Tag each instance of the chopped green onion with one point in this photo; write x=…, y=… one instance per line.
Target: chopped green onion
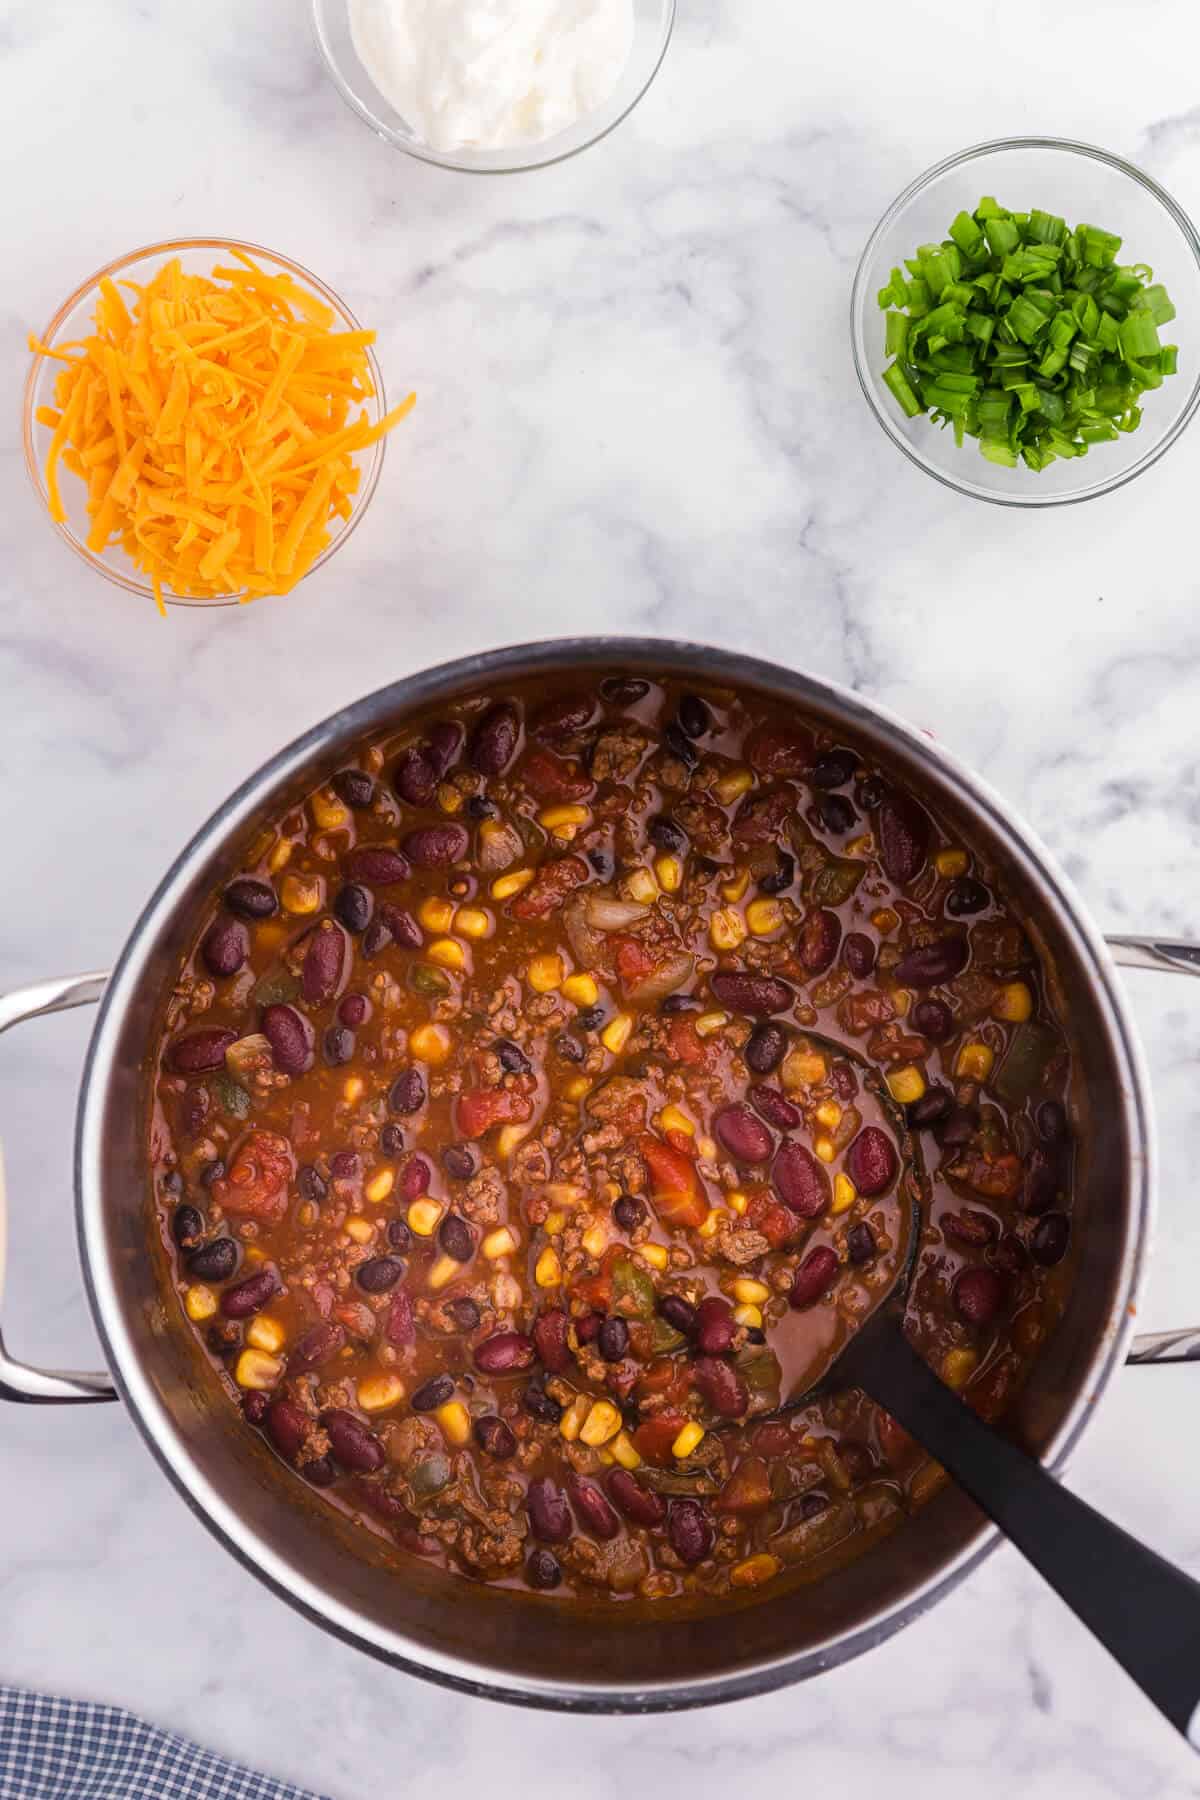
x=1025, y=335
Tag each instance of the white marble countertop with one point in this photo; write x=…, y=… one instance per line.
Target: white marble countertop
x=637, y=412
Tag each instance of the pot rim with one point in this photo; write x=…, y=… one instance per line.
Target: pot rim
x=558, y=656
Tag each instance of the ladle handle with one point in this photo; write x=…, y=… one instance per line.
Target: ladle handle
x=1145, y=1612
x=1174, y=956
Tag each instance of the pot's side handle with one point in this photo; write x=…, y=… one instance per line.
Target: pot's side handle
x=18, y=1381
x=1172, y=955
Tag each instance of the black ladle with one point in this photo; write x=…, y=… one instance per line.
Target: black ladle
x=1144, y=1611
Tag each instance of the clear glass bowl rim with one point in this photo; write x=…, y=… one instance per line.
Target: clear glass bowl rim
x=169, y=247
x=859, y=299
x=456, y=159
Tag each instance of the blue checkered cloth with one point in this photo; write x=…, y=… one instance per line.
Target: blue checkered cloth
x=76, y=1750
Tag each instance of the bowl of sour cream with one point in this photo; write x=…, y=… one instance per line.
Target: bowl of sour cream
x=493, y=86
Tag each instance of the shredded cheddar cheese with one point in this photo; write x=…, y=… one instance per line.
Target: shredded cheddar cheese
x=215, y=420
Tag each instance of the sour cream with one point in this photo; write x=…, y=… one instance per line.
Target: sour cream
x=492, y=74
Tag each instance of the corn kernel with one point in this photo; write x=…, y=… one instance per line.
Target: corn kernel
x=506, y=1292
x=505, y=886
x=844, y=1194
x=361, y=1230
x=687, y=1438
x=671, y=1118
x=734, y=889
x=430, y=1044
x=906, y=1084
x=266, y=1333
x=353, y=1089
x=709, y=1227
x=555, y=1223
x=1014, y=1003
x=328, y=811
x=377, y=1393
x=281, y=855
x=545, y=973
x=764, y=916
x=950, y=863
x=455, y=1422
x=749, y=1316
x=199, y=1303
x=443, y=1272
x=498, y=1243
x=825, y=1149
x=732, y=785
x=706, y=1149
x=564, y=820
x=606, y=1458
x=473, y=922
x=738, y=1202
x=379, y=1186
x=726, y=929
x=548, y=1270
x=576, y=1089
x=625, y=1452
x=568, y=1193
x=447, y=953
x=958, y=1366
x=449, y=798
x=655, y=1254
x=602, y=1423
x=508, y=1137
x=669, y=872
x=752, y=1292
x=301, y=893
x=595, y=1238
x=710, y=1022
x=974, y=1062
x=804, y=1068
x=861, y=846
x=616, y=1033
x=571, y=1423
x=885, y=920
x=755, y=1570
x=255, y=1369
x=581, y=990
x=901, y=999
x=436, y=913
x=641, y=886
x=424, y=1216
x=828, y=1114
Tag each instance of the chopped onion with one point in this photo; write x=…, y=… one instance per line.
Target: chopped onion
x=665, y=979
x=613, y=915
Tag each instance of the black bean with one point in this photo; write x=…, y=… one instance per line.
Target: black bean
x=399, y=1236
x=776, y=880
x=765, y=1048
x=223, y=1337
x=680, y=745
x=933, y=1106
x=311, y=1184
x=541, y=1405
x=172, y=1182
x=355, y=787
x=494, y=1436
x=512, y=1058
x=933, y=1019
x=433, y=1393
x=602, y=863
x=958, y=1127
x=251, y=898
x=187, y=1227
x=215, y=1261
x=407, y=1093
x=320, y=1473
x=338, y=1046
x=1052, y=1121
x=480, y=807
x=613, y=1341
x=860, y=1243
x=872, y=793
x=464, y=1312
x=542, y=1570
x=694, y=715
x=456, y=1238
x=665, y=834
x=966, y=895
x=1050, y=1237
x=569, y=1048
x=379, y=1274
x=834, y=769
x=678, y=1003
x=813, y=1505
x=837, y=814
x=623, y=690
x=590, y=1019
x=254, y=1405
x=678, y=1312
x=629, y=1212
x=459, y=1161
x=213, y=1171
x=344, y=1165
x=391, y=1140
x=353, y=905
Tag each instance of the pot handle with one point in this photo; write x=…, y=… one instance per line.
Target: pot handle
x=19, y=1381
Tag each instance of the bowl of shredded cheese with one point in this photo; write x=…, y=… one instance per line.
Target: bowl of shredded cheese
x=205, y=422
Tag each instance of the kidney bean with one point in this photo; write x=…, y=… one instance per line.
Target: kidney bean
x=1051, y=1234
x=494, y=1437
x=436, y=846
x=213, y=1171
x=638, y=1503
x=629, y=1212
x=860, y=1242
x=444, y=744
x=775, y=1107
x=755, y=995
x=433, y=1393
x=377, y=866
x=225, y=947
x=172, y=1182
x=836, y=814
x=249, y=1296
x=379, y=1274
x=400, y=1327
x=765, y=1048
x=744, y=1136
x=291, y=1038
x=214, y=1261
x=965, y=896
x=353, y=906
x=858, y=954
x=542, y=1570
x=871, y=1161
x=933, y=1019
x=504, y=1353
x=343, y=1165
x=958, y=1127
x=287, y=1427
x=690, y=1531
x=1010, y=1256
x=187, y=1227
x=200, y=1051
x=194, y=1109
x=401, y=928
x=564, y=718
x=678, y=1312
x=834, y=769
x=311, y=1184
x=464, y=1313
x=970, y=1227
x=459, y=1161
x=338, y=1045
x=714, y=1325
x=613, y=1341
x=414, y=776
x=324, y=961
x=399, y=1235
x=354, y=1010
x=933, y=1106
x=407, y=1094
x=353, y=1444
x=550, y=1340
x=354, y=787
x=456, y=1238
x=539, y=1404
x=929, y=965
x=316, y=1346
x=815, y=1276
x=591, y=1508
x=665, y=834
x=494, y=740
x=904, y=832
x=549, y=1514
x=415, y=1178
x=800, y=1180
x=250, y=897
x=1043, y=1177
x=254, y=1405
x=978, y=1295
x=820, y=935
x=720, y=1384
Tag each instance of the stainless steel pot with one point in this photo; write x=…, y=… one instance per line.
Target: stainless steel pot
x=493, y=1642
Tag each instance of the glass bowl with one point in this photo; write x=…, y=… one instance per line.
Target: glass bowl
x=1084, y=185
x=653, y=24
x=73, y=320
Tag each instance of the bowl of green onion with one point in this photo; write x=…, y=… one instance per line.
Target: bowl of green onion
x=1026, y=322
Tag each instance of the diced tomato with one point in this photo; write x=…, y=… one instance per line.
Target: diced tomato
x=596, y=1291
x=481, y=1108
x=675, y=1185
x=748, y=1489
x=679, y=1140
x=666, y=1378
x=256, y=1186
x=550, y=777
x=653, y=1438
x=683, y=1044
x=634, y=960
x=550, y=887
x=778, y=750
x=897, y=1447
x=778, y=1224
